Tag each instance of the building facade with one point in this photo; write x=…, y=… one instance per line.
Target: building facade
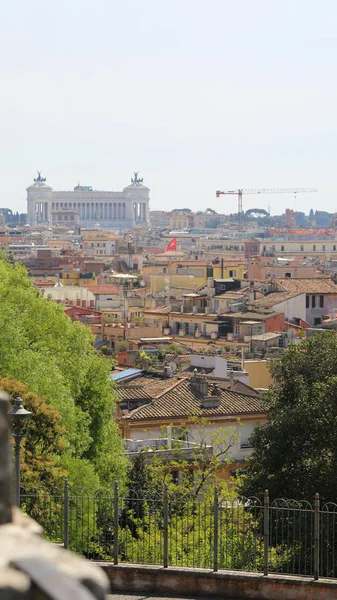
x=123, y=209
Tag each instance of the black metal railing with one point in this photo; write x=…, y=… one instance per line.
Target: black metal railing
x=180, y=529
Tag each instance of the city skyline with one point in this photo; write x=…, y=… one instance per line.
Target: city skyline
x=196, y=99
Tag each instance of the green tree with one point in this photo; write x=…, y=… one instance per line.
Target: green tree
x=173, y=349
x=295, y=453
x=199, y=453
x=44, y=443
x=190, y=505
x=42, y=347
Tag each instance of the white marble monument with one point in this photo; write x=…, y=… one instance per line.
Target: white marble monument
x=108, y=209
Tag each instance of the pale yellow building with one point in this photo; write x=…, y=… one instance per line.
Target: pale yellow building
x=185, y=275
x=99, y=243
x=259, y=373
x=181, y=219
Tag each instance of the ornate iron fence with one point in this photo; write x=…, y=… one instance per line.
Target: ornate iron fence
x=179, y=529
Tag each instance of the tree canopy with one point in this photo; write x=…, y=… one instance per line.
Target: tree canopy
x=42, y=347
x=44, y=443
x=295, y=453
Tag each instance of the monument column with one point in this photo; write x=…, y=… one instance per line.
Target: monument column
x=129, y=216
x=31, y=213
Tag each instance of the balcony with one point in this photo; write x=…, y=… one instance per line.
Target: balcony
x=193, y=308
x=167, y=450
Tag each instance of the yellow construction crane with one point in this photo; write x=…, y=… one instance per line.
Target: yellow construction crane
x=239, y=193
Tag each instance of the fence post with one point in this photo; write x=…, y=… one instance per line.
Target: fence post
x=216, y=530
x=266, y=530
x=116, y=503
x=316, y=537
x=165, y=527
x=66, y=514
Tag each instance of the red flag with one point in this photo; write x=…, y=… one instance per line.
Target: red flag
x=172, y=245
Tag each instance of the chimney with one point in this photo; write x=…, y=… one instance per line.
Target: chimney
x=199, y=383
x=212, y=401
x=231, y=380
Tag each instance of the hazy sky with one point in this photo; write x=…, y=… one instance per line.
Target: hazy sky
x=196, y=95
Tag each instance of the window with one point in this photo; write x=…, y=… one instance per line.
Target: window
x=313, y=301
x=334, y=248
x=232, y=273
x=264, y=248
x=282, y=248
x=323, y=248
x=314, y=247
x=246, y=443
x=321, y=301
x=302, y=248
x=317, y=321
x=307, y=301
x=287, y=274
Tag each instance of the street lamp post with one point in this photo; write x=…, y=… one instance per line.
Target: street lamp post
x=19, y=417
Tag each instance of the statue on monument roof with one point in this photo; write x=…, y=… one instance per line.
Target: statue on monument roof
x=39, y=178
x=135, y=179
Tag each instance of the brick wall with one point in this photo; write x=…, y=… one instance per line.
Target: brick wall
x=225, y=584
x=275, y=323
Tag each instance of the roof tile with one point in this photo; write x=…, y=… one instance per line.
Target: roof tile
x=319, y=285
x=182, y=400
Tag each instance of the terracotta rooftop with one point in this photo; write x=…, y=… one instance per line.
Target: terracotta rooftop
x=181, y=400
x=144, y=386
x=317, y=285
x=274, y=298
x=249, y=315
x=159, y=309
x=199, y=263
x=41, y=283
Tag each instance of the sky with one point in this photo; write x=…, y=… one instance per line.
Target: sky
x=195, y=95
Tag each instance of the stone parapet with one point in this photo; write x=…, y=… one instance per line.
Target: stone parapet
x=222, y=584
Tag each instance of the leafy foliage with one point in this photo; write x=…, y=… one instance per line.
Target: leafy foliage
x=42, y=347
x=199, y=453
x=295, y=453
x=44, y=443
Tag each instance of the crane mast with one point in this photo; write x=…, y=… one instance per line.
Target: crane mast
x=239, y=193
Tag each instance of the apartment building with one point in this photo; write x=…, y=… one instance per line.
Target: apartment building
x=98, y=243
